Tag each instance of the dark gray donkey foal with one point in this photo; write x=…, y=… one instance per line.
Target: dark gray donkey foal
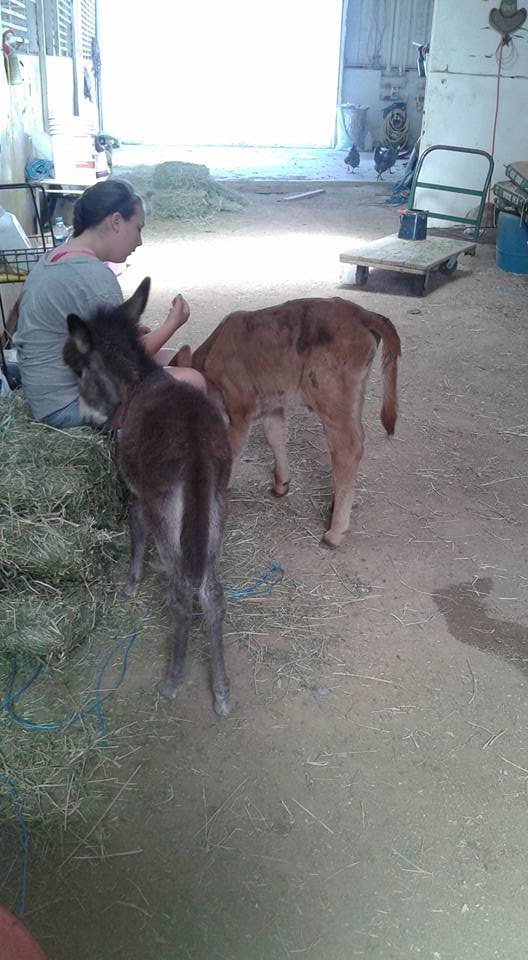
x=175, y=459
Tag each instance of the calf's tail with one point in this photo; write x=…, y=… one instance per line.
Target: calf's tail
x=382, y=327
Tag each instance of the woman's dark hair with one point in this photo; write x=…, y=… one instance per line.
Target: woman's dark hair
x=101, y=200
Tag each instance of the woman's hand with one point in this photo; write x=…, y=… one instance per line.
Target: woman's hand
x=179, y=312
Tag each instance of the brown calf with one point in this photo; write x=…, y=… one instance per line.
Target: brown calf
x=316, y=350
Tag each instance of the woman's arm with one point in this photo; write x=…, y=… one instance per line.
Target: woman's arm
x=177, y=316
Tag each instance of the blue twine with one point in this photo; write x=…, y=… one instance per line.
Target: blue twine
x=11, y=697
x=260, y=587
x=39, y=170
x=21, y=905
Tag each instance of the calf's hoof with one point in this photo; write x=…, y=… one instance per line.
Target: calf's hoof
x=280, y=489
x=168, y=689
x=331, y=540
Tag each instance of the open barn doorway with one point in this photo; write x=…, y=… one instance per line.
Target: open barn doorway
x=236, y=72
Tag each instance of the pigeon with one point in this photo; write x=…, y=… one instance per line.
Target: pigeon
x=352, y=158
x=384, y=159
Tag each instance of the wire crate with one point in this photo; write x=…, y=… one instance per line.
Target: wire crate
x=16, y=264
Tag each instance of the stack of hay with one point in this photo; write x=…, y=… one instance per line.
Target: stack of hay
x=181, y=191
x=61, y=511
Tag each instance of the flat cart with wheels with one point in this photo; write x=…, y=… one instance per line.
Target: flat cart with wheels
x=417, y=257
x=421, y=257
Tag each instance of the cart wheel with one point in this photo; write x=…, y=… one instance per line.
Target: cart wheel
x=449, y=266
x=361, y=276
x=421, y=283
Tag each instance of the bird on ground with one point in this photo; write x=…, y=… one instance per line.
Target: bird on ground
x=384, y=159
x=352, y=158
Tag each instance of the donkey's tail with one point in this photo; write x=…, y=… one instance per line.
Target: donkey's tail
x=195, y=528
x=383, y=328
x=202, y=523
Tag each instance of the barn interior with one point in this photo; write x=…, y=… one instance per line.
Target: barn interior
x=367, y=795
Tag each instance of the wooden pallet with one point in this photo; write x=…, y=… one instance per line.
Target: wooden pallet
x=417, y=257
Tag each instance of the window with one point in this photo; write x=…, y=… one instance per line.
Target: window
x=87, y=27
x=58, y=26
x=21, y=16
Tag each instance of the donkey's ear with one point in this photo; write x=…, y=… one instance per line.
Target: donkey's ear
x=135, y=305
x=80, y=333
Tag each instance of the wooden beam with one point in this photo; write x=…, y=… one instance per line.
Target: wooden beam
x=41, y=37
x=77, y=57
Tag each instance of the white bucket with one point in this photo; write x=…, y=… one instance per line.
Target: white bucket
x=71, y=126
x=73, y=150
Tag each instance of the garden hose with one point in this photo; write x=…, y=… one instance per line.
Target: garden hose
x=396, y=127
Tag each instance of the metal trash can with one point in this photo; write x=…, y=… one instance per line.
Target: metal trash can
x=353, y=124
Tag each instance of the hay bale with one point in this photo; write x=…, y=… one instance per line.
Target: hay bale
x=61, y=518
x=70, y=474
x=53, y=550
x=42, y=622
x=174, y=175
x=182, y=204
x=181, y=191
x=140, y=179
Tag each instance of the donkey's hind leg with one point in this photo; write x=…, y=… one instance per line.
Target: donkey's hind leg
x=179, y=598
x=136, y=525
x=213, y=606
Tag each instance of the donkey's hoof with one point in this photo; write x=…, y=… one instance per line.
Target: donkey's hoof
x=331, y=540
x=167, y=689
x=222, y=706
x=280, y=489
x=128, y=591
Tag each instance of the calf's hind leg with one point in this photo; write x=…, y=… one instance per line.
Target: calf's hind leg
x=275, y=431
x=345, y=444
x=237, y=435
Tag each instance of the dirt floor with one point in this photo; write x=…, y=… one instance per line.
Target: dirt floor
x=368, y=796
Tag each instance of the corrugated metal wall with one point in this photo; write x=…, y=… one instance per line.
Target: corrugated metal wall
x=379, y=33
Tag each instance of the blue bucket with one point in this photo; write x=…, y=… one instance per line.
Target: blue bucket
x=512, y=244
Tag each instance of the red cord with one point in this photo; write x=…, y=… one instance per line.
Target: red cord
x=502, y=44
x=501, y=48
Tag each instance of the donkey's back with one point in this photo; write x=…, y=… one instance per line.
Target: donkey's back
x=176, y=459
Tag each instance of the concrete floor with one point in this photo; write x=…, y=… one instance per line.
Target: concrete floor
x=259, y=163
